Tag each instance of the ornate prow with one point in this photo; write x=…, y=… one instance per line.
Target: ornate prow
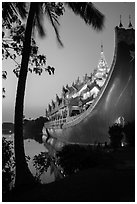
x=115, y=99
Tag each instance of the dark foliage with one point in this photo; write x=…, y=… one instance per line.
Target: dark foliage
x=11, y=12
x=129, y=130
x=41, y=163
x=12, y=46
x=7, y=165
x=4, y=76
x=3, y=92
x=73, y=158
x=116, y=135
x=33, y=129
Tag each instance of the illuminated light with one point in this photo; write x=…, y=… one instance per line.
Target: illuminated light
x=120, y=121
x=132, y=55
x=51, y=141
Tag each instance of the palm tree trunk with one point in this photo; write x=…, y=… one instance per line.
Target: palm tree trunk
x=23, y=174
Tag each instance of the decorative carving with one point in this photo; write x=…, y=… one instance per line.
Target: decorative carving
x=57, y=98
x=53, y=104
x=78, y=82
x=126, y=35
x=49, y=108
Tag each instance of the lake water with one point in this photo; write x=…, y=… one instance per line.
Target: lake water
x=33, y=148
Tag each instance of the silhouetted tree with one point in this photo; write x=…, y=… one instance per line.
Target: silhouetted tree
x=34, y=17
x=23, y=174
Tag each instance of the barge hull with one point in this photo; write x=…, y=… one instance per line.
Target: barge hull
x=116, y=99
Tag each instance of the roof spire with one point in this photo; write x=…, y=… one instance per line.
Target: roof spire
x=102, y=64
x=130, y=24
x=120, y=25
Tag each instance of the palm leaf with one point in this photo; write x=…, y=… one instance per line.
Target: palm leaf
x=50, y=11
x=54, y=21
x=38, y=21
x=11, y=11
x=88, y=12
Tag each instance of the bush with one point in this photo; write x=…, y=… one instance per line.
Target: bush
x=41, y=162
x=116, y=135
x=129, y=130
x=73, y=158
x=8, y=165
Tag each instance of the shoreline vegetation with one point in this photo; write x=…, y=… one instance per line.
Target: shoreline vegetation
x=88, y=173
x=105, y=175
x=32, y=128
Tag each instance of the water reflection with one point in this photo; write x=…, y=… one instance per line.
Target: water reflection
x=33, y=148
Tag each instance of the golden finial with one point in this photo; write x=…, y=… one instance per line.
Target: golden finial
x=130, y=24
x=120, y=25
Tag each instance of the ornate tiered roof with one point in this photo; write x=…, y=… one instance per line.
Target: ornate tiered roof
x=71, y=94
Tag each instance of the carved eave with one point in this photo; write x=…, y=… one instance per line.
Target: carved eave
x=64, y=90
x=53, y=104
x=74, y=87
x=49, y=108
x=70, y=89
x=67, y=88
x=85, y=78
x=57, y=98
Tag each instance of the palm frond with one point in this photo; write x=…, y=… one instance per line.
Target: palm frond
x=39, y=19
x=54, y=21
x=21, y=9
x=11, y=11
x=88, y=12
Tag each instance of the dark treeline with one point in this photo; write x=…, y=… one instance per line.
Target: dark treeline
x=33, y=128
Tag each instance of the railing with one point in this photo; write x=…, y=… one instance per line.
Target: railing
x=56, y=123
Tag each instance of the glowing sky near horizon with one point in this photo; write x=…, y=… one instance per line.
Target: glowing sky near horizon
x=80, y=55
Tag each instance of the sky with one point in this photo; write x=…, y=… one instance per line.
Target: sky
x=80, y=55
